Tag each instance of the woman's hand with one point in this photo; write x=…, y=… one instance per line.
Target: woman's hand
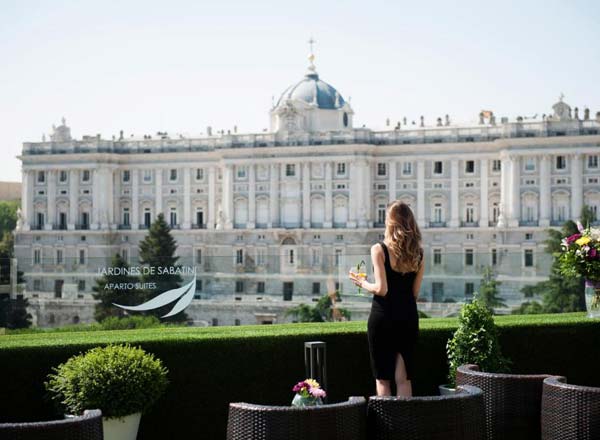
x=357, y=279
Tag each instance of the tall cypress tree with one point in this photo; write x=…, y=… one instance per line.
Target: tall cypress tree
x=110, y=289
x=488, y=290
x=157, y=251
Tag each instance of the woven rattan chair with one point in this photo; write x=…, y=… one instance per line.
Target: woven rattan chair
x=512, y=402
x=346, y=420
x=457, y=416
x=570, y=412
x=86, y=427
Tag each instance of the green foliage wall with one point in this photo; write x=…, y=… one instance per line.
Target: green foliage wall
x=214, y=366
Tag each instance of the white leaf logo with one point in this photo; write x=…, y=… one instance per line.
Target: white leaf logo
x=184, y=295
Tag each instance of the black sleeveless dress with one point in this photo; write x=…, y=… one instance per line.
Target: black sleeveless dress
x=393, y=324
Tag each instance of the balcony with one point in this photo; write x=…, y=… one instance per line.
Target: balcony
x=123, y=227
x=528, y=223
x=197, y=226
x=469, y=224
x=437, y=224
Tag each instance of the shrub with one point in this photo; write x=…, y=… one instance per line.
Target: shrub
x=475, y=341
x=117, y=379
x=129, y=323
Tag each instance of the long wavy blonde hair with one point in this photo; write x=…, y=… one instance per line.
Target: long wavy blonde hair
x=403, y=237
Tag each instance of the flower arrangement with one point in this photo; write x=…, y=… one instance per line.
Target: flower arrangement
x=580, y=256
x=308, y=393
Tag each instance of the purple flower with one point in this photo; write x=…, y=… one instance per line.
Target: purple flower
x=317, y=392
x=594, y=253
x=572, y=238
x=299, y=387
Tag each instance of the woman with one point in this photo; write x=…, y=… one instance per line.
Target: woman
x=393, y=323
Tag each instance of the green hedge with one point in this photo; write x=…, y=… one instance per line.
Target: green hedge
x=210, y=367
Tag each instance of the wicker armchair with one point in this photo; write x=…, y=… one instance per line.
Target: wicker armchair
x=570, y=412
x=458, y=416
x=512, y=402
x=86, y=427
x=337, y=421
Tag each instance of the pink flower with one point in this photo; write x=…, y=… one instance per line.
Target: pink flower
x=318, y=392
x=300, y=386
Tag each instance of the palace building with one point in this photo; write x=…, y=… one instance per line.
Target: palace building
x=277, y=218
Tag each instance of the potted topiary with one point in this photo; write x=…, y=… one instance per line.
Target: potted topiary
x=475, y=341
x=120, y=380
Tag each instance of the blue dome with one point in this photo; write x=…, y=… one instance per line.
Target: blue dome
x=310, y=87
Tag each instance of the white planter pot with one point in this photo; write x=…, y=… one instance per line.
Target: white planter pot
x=124, y=428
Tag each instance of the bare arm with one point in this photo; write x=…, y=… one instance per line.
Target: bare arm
x=379, y=287
x=419, y=279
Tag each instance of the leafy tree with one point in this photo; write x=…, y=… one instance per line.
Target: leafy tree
x=157, y=251
x=8, y=215
x=529, y=308
x=488, y=290
x=323, y=311
x=108, y=291
x=561, y=294
x=13, y=312
x=475, y=341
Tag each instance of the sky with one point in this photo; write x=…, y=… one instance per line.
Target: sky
x=182, y=65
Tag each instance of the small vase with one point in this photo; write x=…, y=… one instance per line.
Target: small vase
x=302, y=401
x=592, y=298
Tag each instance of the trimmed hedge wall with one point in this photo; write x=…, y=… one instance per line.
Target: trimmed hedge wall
x=210, y=367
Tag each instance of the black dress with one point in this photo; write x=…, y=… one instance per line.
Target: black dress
x=393, y=324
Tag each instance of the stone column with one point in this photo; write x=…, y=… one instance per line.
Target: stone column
x=73, y=199
x=454, y=196
x=274, y=196
x=227, y=196
x=576, y=186
x=211, y=198
x=187, y=199
x=27, y=199
x=328, y=195
x=105, y=212
x=545, y=194
x=251, y=224
x=116, y=204
x=51, y=199
x=355, y=192
x=158, y=174
x=392, y=181
x=515, y=194
x=135, y=199
x=96, y=189
x=365, y=211
x=484, y=207
x=505, y=191
x=306, y=195
x=421, y=202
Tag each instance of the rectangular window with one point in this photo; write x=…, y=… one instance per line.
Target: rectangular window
x=438, y=167
x=437, y=257
x=381, y=214
x=37, y=285
x=338, y=257
x=239, y=286
x=530, y=164
x=407, y=168
x=81, y=286
x=290, y=170
x=381, y=169
x=147, y=176
x=125, y=216
x=469, y=290
x=260, y=257
x=81, y=256
x=470, y=166
x=496, y=165
x=291, y=256
x=437, y=292
x=37, y=256
x=241, y=172
x=62, y=177
x=288, y=291
x=199, y=173
x=198, y=256
x=316, y=256
x=215, y=322
x=239, y=256
x=468, y=257
x=147, y=219
x=85, y=176
x=173, y=175
x=260, y=287
x=59, y=256
x=528, y=257
x=126, y=176
x=173, y=218
x=341, y=169
x=41, y=176
x=561, y=162
x=494, y=257
x=592, y=161
x=62, y=220
x=316, y=288
x=125, y=254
